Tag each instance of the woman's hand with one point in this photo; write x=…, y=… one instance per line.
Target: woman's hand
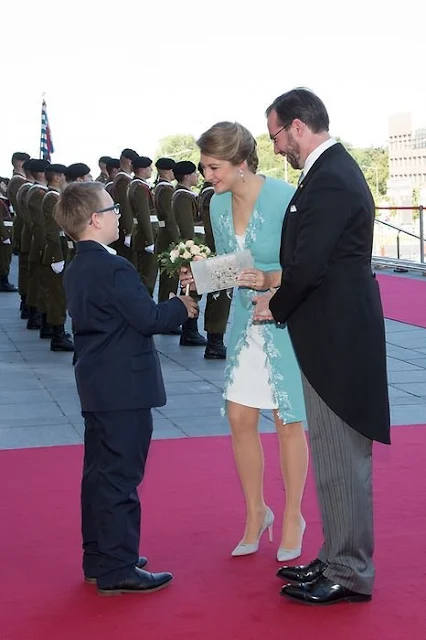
x=254, y=279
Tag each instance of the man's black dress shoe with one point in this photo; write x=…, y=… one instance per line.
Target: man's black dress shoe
x=142, y=582
x=321, y=592
x=303, y=573
x=140, y=565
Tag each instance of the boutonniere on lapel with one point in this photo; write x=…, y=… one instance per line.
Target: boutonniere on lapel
x=293, y=208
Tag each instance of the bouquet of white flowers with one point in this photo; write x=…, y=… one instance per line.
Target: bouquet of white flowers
x=181, y=255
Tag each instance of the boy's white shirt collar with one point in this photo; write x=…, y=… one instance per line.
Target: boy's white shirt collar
x=109, y=249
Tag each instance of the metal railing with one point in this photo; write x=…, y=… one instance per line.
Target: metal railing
x=401, y=264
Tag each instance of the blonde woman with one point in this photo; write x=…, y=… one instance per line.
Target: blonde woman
x=247, y=212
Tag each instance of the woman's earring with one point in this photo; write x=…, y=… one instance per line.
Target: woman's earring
x=240, y=171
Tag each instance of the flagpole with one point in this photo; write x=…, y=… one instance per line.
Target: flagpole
x=43, y=95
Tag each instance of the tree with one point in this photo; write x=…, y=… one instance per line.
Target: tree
x=271, y=164
x=374, y=163
x=179, y=147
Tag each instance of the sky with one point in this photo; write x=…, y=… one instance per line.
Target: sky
x=126, y=74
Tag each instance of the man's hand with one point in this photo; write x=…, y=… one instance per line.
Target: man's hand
x=190, y=304
x=261, y=311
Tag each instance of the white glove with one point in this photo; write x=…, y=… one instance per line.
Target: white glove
x=7, y=241
x=127, y=240
x=58, y=267
x=150, y=248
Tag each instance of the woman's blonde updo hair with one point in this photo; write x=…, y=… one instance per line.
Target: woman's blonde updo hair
x=230, y=141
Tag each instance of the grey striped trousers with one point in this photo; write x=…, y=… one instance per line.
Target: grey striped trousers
x=342, y=461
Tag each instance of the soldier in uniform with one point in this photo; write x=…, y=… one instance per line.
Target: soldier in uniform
x=25, y=245
x=120, y=189
x=6, y=223
x=54, y=261
x=185, y=211
x=112, y=167
x=37, y=293
x=144, y=223
x=77, y=172
x=168, y=232
x=103, y=176
x=218, y=304
x=17, y=180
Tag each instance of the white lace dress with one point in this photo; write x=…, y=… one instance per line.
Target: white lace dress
x=250, y=384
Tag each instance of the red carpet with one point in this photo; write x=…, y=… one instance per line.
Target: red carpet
x=404, y=299
x=193, y=518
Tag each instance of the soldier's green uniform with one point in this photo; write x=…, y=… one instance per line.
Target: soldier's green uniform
x=53, y=264
x=15, y=183
x=120, y=189
x=6, y=223
x=145, y=226
x=218, y=304
x=112, y=166
x=77, y=172
x=37, y=289
x=19, y=160
x=168, y=232
x=24, y=250
x=185, y=211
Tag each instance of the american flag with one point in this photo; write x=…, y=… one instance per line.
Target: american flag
x=46, y=144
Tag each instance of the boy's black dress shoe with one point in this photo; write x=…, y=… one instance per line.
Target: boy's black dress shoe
x=321, y=592
x=142, y=582
x=140, y=565
x=303, y=573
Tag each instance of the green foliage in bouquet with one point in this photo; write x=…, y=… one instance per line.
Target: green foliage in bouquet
x=181, y=255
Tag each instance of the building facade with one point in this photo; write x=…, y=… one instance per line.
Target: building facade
x=407, y=161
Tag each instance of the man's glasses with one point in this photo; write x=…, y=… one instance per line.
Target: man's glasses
x=114, y=207
x=274, y=137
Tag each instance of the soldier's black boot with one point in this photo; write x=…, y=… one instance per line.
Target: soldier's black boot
x=46, y=329
x=34, y=320
x=190, y=336
x=61, y=340
x=215, y=349
x=23, y=308
x=6, y=286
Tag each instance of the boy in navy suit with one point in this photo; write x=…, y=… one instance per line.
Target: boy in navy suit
x=119, y=380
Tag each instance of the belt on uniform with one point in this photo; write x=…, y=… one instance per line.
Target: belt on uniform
x=162, y=223
x=152, y=219
x=199, y=229
x=8, y=223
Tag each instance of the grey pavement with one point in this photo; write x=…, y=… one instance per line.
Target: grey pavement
x=39, y=405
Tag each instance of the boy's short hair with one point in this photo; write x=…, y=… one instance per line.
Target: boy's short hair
x=75, y=207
